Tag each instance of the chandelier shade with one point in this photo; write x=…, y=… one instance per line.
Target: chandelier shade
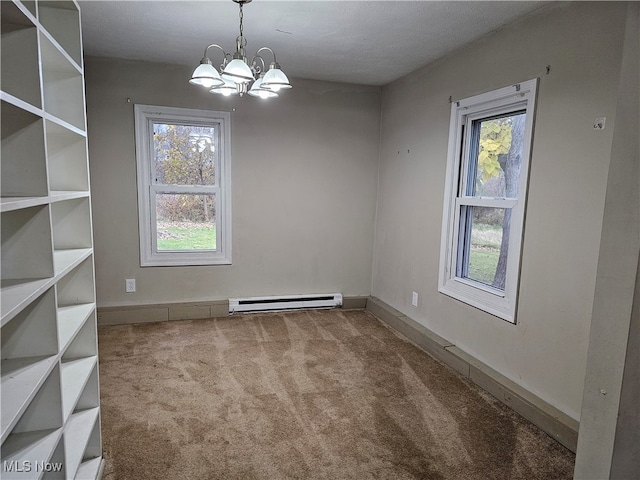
x=257, y=90
x=206, y=76
x=238, y=71
x=237, y=76
x=275, y=79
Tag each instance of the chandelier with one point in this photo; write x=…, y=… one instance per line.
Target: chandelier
x=237, y=76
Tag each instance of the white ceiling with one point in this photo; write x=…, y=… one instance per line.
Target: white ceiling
x=363, y=42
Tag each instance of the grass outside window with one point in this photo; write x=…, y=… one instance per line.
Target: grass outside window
x=485, y=251
x=186, y=236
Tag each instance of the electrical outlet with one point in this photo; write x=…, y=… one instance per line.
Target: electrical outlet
x=130, y=285
x=414, y=299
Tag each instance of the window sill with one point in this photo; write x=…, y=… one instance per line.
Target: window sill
x=182, y=261
x=481, y=298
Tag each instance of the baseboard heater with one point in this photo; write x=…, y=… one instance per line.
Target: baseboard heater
x=285, y=302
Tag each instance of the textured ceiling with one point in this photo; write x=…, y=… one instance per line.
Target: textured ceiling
x=360, y=42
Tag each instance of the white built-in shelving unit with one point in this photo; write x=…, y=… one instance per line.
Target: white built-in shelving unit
x=50, y=399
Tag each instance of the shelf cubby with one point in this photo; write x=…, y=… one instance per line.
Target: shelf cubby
x=67, y=159
x=88, y=401
x=75, y=374
x=38, y=448
x=71, y=319
x=66, y=260
x=62, y=20
x=79, y=371
x=83, y=345
x=27, y=259
x=77, y=286
x=20, y=75
x=17, y=294
x=24, y=168
x=29, y=353
x=94, y=444
x=78, y=432
x=90, y=397
x=33, y=331
x=21, y=382
x=71, y=223
x=31, y=397
x=62, y=85
x=26, y=244
x=58, y=471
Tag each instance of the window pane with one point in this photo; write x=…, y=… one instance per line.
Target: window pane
x=496, y=156
x=184, y=154
x=185, y=222
x=484, y=245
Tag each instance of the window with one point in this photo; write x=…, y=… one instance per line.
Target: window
x=184, y=189
x=486, y=183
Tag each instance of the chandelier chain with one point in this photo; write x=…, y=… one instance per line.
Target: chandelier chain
x=241, y=18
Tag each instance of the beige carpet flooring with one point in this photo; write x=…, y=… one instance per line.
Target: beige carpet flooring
x=304, y=395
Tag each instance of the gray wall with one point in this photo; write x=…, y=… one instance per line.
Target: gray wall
x=546, y=351
x=609, y=441
x=304, y=173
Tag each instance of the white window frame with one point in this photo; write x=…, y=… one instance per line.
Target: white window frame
x=145, y=117
x=503, y=304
